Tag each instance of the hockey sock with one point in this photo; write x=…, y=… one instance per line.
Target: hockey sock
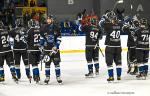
x=110, y=72
x=141, y=68
x=12, y=69
x=47, y=71
x=35, y=71
x=18, y=72
x=57, y=71
x=119, y=71
x=1, y=72
x=27, y=71
x=96, y=65
x=90, y=67
x=146, y=68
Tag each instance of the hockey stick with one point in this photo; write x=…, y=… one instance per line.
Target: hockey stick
x=41, y=58
x=99, y=49
x=118, y=2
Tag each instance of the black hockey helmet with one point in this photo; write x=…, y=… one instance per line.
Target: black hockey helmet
x=50, y=17
x=110, y=14
x=1, y=25
x=143, y=21
x=19, y=22
x=31, y=23
x=93, y=21
x=136, y=23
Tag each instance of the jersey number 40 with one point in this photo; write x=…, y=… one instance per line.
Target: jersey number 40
x=115, y=34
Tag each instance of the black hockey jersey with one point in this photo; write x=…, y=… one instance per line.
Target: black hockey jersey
x=113, y=34
x=142, y=38
x=52, y=35
x=93, y=34
x=4, y=41
x=131, y=35
x=33, y=39
x=19, y=38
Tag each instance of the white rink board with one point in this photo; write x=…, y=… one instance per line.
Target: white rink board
x=78, y=43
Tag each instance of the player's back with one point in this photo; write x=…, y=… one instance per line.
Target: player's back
x=33, y=39
x=4, y=40
x=113, y=34
x=92, y=35
x=142, y=36
x=18, y=38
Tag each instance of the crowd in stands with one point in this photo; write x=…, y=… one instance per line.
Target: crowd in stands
x=8, y=17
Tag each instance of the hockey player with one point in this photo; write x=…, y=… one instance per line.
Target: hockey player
x=51, y=39
x=6, y=53
x=93, y=35
x=113, y=48
x=130, y=28
x=20, y=48
x=142, y=48
x=33, y=42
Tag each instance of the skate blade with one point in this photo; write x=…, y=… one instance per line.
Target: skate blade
x=89, y=76
x=46, y=83
x=17, y=82
x=61, y=83
x=141, y=78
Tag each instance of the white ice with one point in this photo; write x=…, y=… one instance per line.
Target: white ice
x=75, y=84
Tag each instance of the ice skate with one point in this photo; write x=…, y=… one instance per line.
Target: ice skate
x=59, y=80
x=89, y=75
x=30, y=78
x=14, y=77
x=96, y=71
x=110, y=79
x=118, y=78
x=141, y=76
x=2, y=79
x=36, y=79
x=47, y=80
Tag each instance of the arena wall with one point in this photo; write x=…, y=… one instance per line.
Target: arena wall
x=73, y=44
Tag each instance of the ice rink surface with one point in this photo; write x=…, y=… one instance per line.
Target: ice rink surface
x=74, y=83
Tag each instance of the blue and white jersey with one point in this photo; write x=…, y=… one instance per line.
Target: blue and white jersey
x=50, y=36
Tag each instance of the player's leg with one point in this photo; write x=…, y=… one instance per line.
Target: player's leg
x=129, y=62
x=17, y=58
x=140, y=56
x=88, y=53
x=47, y=61
x=33, y=61
x=56, y=61
x=146, y=57
x=26, y=63
x=117, y=60
x=96, y=60
x=109, y=61
x=132, y=60
x=2, y=75
x=10, y=62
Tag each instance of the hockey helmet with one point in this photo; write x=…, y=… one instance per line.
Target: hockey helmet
x=136, y=23
x=1, y=25
x=31, y=23
x=143, y=21
x=93, y=21
x=19, y=22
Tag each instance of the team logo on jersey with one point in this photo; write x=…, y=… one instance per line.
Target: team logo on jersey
x=46, y=58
